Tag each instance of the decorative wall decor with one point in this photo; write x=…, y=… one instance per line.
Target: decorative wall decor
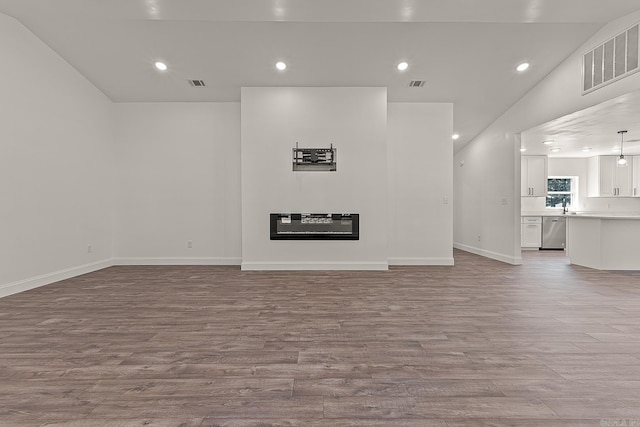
x=314, y=159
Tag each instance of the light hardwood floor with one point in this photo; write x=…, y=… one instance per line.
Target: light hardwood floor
x=478, y=344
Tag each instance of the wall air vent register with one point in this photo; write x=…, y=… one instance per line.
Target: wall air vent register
x=614, y=59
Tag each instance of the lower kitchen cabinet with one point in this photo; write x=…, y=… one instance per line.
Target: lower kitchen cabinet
x=531, y=232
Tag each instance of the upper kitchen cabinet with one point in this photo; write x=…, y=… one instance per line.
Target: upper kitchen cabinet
x=533, y=182
x=606, y=179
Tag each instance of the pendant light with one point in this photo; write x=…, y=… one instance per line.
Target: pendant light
x=621, y=160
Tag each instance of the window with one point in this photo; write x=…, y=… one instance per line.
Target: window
x=560, y=191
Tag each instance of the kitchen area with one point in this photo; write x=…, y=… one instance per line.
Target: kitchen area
x=542, y=226
x=580, y=186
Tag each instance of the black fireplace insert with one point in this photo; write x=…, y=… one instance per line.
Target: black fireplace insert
x=314, y=226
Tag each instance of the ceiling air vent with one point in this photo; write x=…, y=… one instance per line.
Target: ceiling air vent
x=417, y=83
x=197, y=83
x=614, y=59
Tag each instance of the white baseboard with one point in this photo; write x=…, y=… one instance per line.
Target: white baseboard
x=421, y=261
x=177, y=261
x=489, y=254
x=255, y=266
x=56, y=276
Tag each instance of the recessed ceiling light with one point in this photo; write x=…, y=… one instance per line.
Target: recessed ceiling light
x=161, y=66
x=281, y=66
x=455, y=136
x=403, y=66
x=548, y=141
x=522, y=67
x=586, y=149
x=522, y=150
x=555, y=149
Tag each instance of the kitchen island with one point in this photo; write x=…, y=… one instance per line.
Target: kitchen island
x=604, y=242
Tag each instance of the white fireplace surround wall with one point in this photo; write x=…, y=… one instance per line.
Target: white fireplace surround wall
x=354, y=120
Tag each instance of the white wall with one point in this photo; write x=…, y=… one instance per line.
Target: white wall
x=136, y=182
x=178, y=167
x=485, y=199
x=420, y=156
x=477, y=189
x=355, y=121
x=178, y=180
x=55, y=166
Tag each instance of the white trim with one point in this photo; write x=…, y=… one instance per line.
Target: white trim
x=489, y=254
x=421, y=261
x=310, y=265
x=177, y=261
x=56, y=276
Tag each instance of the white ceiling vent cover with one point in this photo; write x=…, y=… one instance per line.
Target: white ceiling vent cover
x=614, y=59
x=197, y=83
x=417, y=83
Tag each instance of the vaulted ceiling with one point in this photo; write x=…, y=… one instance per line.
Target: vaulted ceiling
x=465, y=50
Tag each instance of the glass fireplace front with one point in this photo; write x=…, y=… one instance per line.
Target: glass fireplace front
x=313, y=226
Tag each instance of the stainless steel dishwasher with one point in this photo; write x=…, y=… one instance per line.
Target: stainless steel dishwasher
x=554, y=232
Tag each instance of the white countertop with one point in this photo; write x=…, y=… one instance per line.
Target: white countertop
x=600, y=215
x=543, y=214
x=605, y=216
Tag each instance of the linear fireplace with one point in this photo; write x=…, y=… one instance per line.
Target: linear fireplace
x=314, y=226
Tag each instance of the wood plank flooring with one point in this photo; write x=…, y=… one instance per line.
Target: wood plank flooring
x=478, y=344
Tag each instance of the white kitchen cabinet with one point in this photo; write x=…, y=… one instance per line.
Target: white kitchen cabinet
x=606, y=179
x=531, y=232
x=533, y=182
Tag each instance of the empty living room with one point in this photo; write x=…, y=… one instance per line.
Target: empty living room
x=271, y=213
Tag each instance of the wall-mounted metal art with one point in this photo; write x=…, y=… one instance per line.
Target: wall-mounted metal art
x=314, y=159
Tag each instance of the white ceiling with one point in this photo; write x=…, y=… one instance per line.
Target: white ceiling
x=595, y=127
x=466, y=50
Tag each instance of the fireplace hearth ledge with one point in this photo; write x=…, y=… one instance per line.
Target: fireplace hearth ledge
x=310, y=265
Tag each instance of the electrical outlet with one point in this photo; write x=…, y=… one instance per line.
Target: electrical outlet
x=89, y=249
x=504, y=200
x=189, y=244
x=445, y=200
x=478, y=237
